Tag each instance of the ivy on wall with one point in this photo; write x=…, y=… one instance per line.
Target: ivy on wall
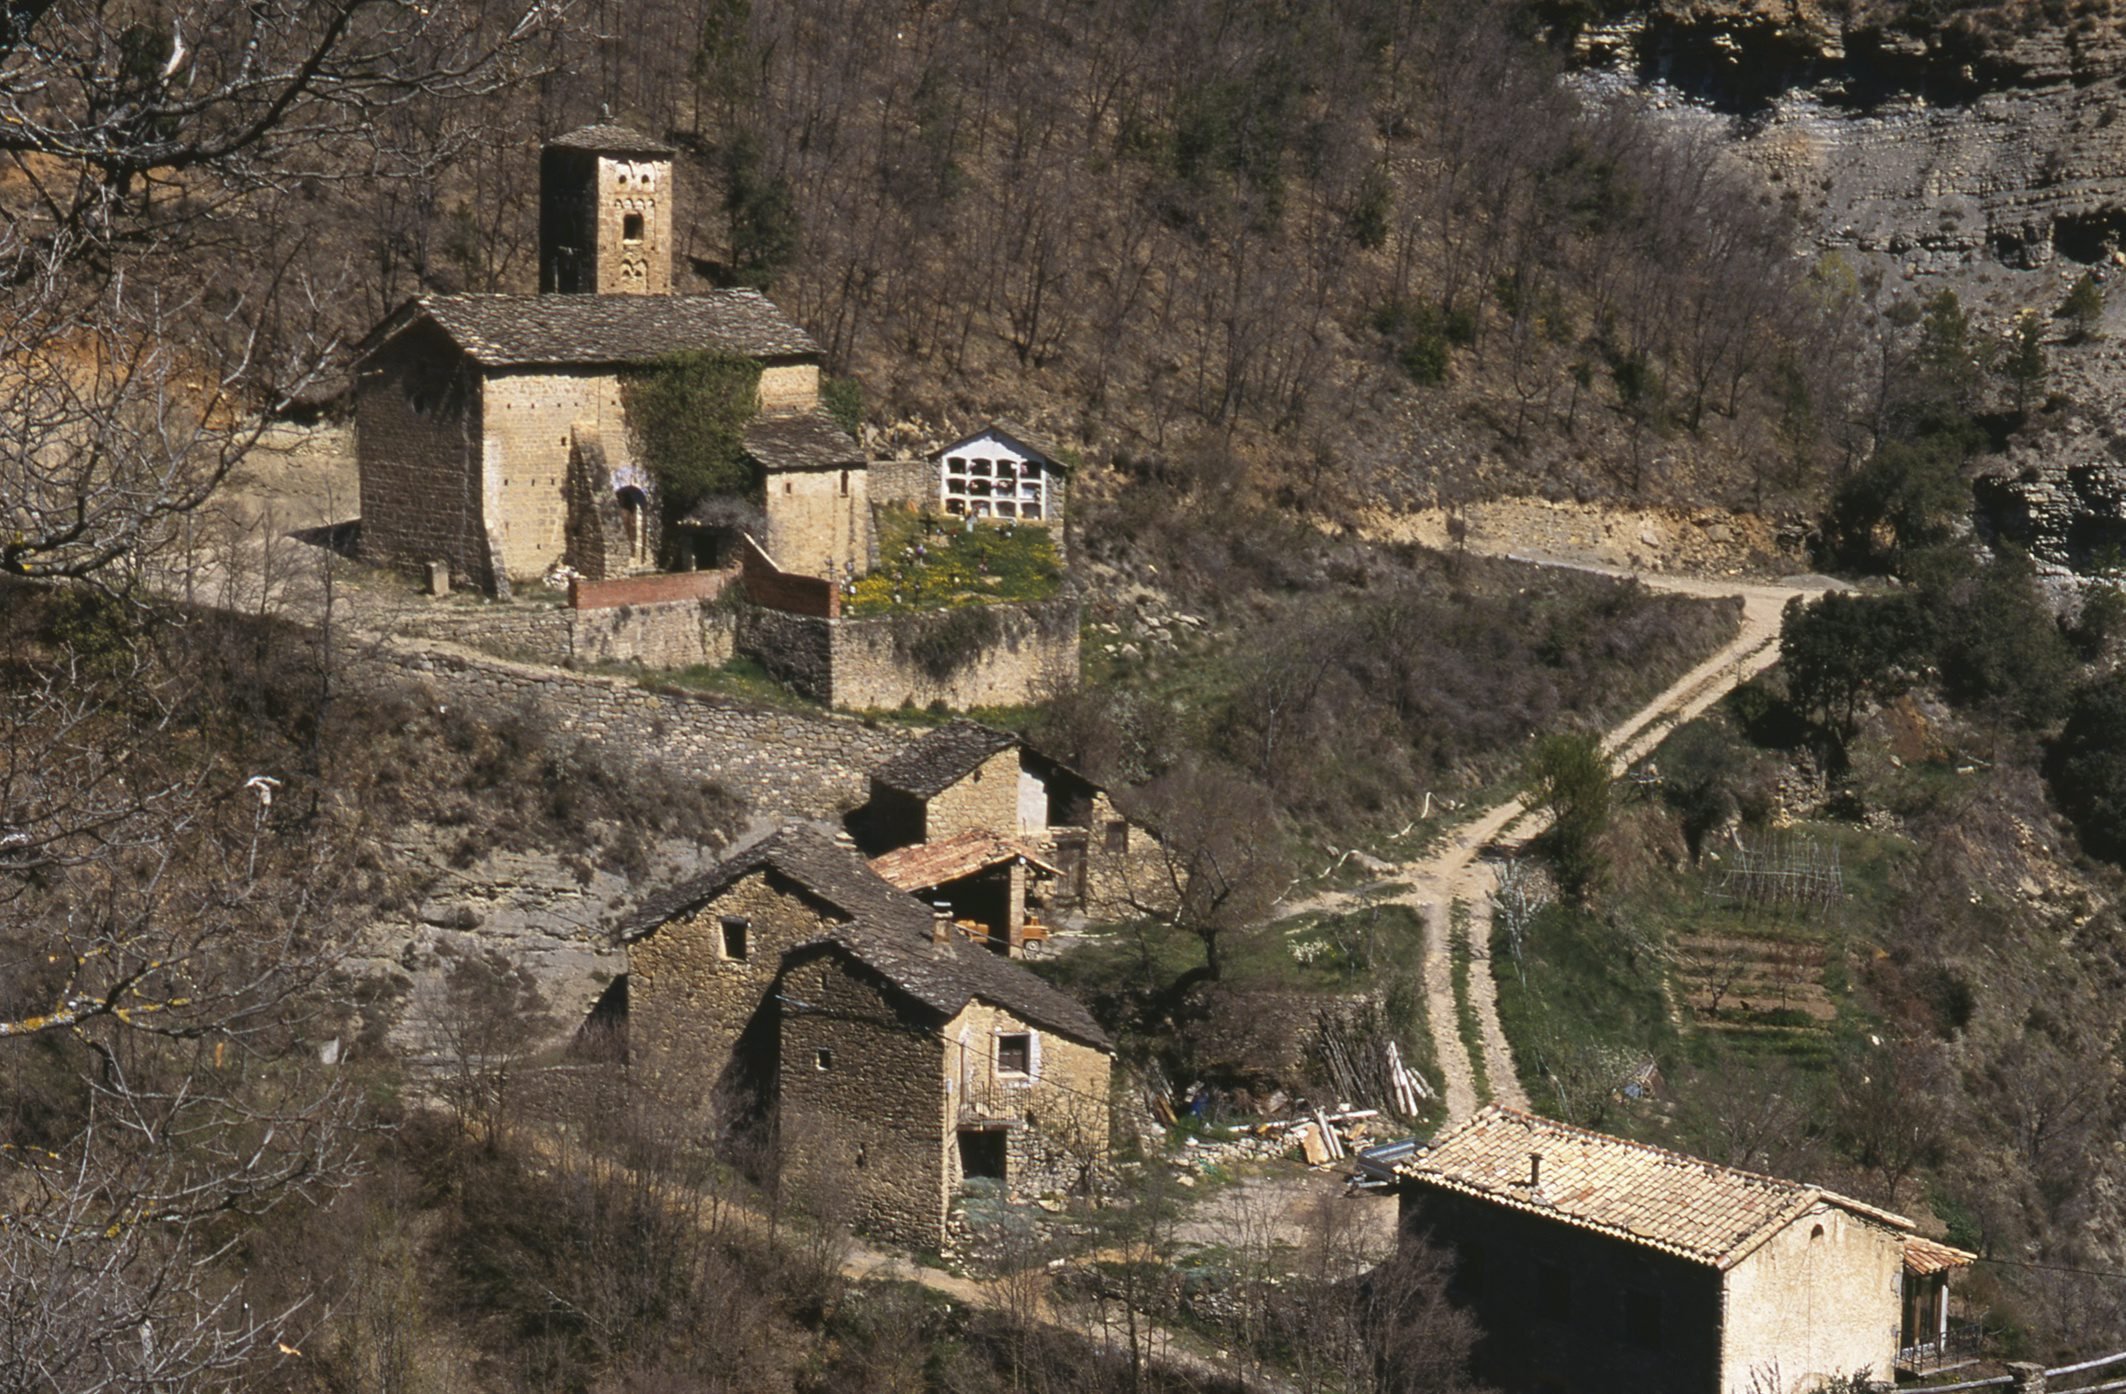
x=686, y=422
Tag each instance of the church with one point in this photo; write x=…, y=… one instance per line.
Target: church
x=491, y=430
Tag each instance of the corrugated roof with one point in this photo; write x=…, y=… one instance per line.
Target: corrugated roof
x=886, y=929
x=518, y=331
x=1641, y=1194
x=934, y=863
x=605, y=138
x=1925, y=1256
x=943, y=758
x=1025, y=436
x=786, y=440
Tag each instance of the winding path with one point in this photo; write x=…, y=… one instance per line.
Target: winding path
x=1457, y=872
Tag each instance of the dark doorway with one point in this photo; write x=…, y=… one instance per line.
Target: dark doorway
x=982, y=1154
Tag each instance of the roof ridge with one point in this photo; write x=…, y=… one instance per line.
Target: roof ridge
x=1654, y=1148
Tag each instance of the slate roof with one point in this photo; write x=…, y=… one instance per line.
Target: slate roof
x=799, y=440
x=518, y=331
x=605, y=138
x=942, y=759
x=1925, y=1256
x=888, y=930
x=1650, y=1196
x=934, y=863
x=1033, y=440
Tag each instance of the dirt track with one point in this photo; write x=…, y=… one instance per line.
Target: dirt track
x=1455, y=872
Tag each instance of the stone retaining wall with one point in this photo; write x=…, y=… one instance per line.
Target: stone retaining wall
x=1008, y=655
x=775, y=761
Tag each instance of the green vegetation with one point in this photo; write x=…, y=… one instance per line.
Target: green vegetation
x=2087, y=766
x=1568, y=776
x=928, y=562
x=1466, y=1024
x=741, y=678
x=687, y=416
x=2083, y=309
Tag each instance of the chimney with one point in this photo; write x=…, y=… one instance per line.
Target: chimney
x=941, y=924
x=1535, y=1170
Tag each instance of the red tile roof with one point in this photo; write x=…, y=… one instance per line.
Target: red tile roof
x=935, y=863
x=1641, y=1194
x=1925, y=1256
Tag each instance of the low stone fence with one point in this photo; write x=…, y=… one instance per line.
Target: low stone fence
x=649, y=590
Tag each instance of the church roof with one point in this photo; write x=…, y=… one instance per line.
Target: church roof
x=888, y=931
x=942, y=759
x=604, y=138
x=522, y=331
x=1631, y=1191
x=797, y=440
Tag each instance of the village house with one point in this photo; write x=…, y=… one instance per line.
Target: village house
x=991, y=885
x=969, y=777
x=792, y=997
x=491, y=432
x=1595, y=1264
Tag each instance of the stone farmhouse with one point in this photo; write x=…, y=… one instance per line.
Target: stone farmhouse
x=490, y=429
x=793, y=997
x=1596, y=1264
x=967, y=777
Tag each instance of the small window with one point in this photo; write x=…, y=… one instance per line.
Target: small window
x=1553, y=1292
x=631, y=228
x=1118, y=836
x=1642, y=1319
x=735, y=930
x=823, y=1059
x=845, y=483
x=1815, y=1233
x=1015, y=1053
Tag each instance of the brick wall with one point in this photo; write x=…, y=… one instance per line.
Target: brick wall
x=644, y=590
x=417, y=429
x=778, y=589
x=870, y=1119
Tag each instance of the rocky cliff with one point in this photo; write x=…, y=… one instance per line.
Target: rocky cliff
x=1976, y=147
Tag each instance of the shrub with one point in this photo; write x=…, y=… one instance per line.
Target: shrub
x=2086, y=766
x=687, y=416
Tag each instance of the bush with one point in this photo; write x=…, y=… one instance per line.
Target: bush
x=687, y=416
x=1569, y=776
x=2086, y=766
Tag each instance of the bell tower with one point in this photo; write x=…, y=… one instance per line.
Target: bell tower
x=605, y=213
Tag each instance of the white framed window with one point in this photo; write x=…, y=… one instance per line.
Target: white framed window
x=1018, y=1054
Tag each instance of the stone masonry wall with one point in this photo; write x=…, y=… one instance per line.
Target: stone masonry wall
x=819, y=521
x=796, y=649
x=910, y=482
x=698, y=1042
x=643, y=187
x=417, y=420
x=789, y=386
x=658, y=634
x=987, y=798
x=1035, y=652
x=1062, y=1102
x=868, y=1119
x=780, y=761
x=529, y=419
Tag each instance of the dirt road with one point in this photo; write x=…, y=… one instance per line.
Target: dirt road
x=1456, y=872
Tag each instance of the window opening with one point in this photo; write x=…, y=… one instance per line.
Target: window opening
x=1015, y=1053
x=823, y=1059
x=1118, y=836
x=982, y=1153
x=631, y=228
x=734, y=938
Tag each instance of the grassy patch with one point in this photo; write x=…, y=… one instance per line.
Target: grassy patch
x=1585, y=1007
x=1466, y=1024
x=928, y=562
x=742, y=679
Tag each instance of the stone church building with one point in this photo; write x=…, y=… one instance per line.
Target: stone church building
x=490, y=429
